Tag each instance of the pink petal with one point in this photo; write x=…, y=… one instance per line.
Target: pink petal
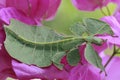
x=114, y=24
x=111, y=40
x=28, y=11
x=113, y=72
x=8, y=13
x=89, y=5
x=84, y=72
x=5, y=59
x=5, y=65
x=53, y=7
x=2, y=33
x=116, y=1
x=2, y=3
x=117, y=14
x=100, y=48
x=112, y=68
x=24, y=72
x=31, y=8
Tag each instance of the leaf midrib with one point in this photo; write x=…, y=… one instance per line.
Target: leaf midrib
x=23, y=40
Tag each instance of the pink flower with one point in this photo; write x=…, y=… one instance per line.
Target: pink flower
x=86, y=71
x=31, y=12
x=112, y=69
x=11, y=68
x=53, y=6
x=116, y=2
x=5, y=60
x=25, y=72
x=115, y=26
x=89, y=5
x=5, y=65
x=28, y=11
x=89, y=72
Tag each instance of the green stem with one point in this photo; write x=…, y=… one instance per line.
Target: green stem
x=109, y=60
x=115, y=51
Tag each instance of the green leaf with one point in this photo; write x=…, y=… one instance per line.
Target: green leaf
x=78, y=29
x=94, y=40
x=72, y=44
x=92, y=56
x=57, y=58
x=34, y=45
x=73, y=57
x=90, y=26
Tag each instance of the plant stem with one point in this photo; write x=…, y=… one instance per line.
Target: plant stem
x=115, y=51
x=109, y=60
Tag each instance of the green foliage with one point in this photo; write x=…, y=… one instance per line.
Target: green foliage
x=32, y=45
x=91, y=27
x=73, y=57
x=68, y=14
x=88, y=29
x=92, y=56
x=36, y=45
x=94, y=40
x=57, y=58
x=73, y=44
x=42, y=46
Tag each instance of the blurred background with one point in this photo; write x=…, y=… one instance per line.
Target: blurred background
x=67, y=15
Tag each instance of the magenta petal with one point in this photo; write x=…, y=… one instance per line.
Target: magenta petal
x=8, y=13
x=5, y=65
x=114, y=24
x=5, y=59
x=113, y=69
x=89, y=72
x=52, y=73
x=2, y=3
x=31, y=8
x=24, y=72
x=117, y=14
x=39, y=8
x=84, y=72
x=116, y=1
x=21, y=5
x=111, y=40
x=89, y=5
x=100, y=48
x=31, y=12
x=53, y=6
x=2, y=33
